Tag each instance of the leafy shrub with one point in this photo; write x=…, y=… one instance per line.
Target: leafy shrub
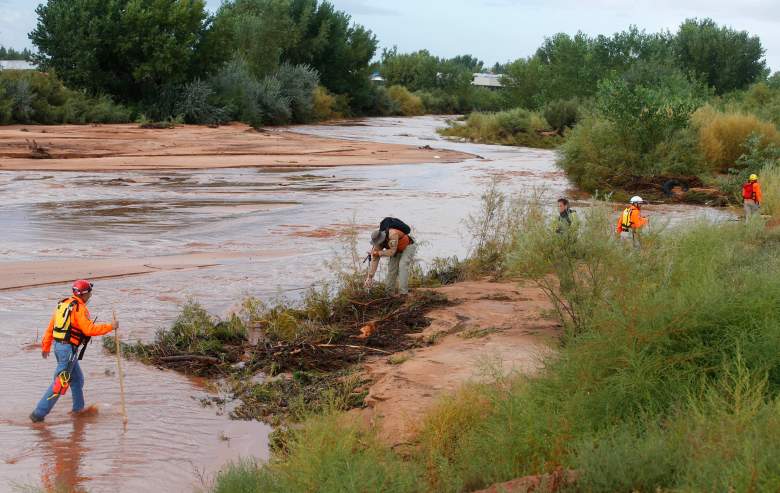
x=35, y=97
x=512, y=127
x=407, y=103
x=324, y=105
x=723, y=136
x=236, y=89
x=298, y=84
x=194, y=104
x=273, y=101
x=382, y=104
x=439, y=102
x=758, y=158
x=648, y=104
x=562, y=114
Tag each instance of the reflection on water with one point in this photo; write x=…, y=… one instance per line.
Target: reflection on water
x=172, y=439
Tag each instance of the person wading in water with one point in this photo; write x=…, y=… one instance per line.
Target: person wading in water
x=69, y=328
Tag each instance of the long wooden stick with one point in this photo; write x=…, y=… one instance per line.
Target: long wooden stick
x=119, y=372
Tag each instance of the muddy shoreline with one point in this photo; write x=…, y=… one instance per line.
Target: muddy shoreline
x=126, y=147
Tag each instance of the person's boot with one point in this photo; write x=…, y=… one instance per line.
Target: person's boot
x=35, y=419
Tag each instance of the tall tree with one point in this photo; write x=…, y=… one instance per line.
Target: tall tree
x=12, y=54
x=329, y=42
x=258, y=31
x=126, y=48
x=724, y=58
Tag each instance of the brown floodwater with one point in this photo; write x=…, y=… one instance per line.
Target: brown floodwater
x=268, y=234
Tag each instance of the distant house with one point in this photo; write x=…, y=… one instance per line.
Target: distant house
x=16, y=65
x=491, y=81
x=376, y=78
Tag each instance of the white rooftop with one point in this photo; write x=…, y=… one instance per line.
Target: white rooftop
x=487, y=80
x=16, y=65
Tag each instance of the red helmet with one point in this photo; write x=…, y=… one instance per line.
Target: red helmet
x=81, y=287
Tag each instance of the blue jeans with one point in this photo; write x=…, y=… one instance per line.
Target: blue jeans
x=64, y=353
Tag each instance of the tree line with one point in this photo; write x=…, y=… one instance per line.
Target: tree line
x=280, y=61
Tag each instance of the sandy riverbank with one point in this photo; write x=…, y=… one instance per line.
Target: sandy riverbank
x=489, y=326
x=128, y=147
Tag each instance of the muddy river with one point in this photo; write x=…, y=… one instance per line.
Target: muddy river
x=216, y=236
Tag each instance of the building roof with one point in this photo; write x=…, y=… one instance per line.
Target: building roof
x=487, y=80
x=16, y=65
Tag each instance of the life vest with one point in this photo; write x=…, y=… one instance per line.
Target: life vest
x=64, y=331
x=625, y=219
x=403, y=242
x=748, y=191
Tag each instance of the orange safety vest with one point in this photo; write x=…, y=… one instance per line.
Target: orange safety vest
x=403, y=242
x=630, y=219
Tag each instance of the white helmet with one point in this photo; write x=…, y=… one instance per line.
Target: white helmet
x=636, y=199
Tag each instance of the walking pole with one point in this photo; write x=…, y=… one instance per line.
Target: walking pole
x=119, y=371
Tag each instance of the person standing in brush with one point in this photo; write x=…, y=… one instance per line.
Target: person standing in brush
x=751, y=196
x=392, y=240
x=631, y=221
x=70, y=327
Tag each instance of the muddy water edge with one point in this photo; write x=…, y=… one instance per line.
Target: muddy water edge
x=215, y=236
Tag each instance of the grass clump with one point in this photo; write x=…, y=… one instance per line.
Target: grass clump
x=298, y=395
x=196, y=343
x=511, y=127
x=723, y=137
x=329, y=454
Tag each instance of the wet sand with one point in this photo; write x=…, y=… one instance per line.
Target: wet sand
x=28, y=274
x=130, y=148
x=492, y=327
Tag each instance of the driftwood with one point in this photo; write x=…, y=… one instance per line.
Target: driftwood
x=355, y=347
x=189, y=357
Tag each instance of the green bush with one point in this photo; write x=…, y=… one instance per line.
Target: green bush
x=273, y=101
x=324, y=105
x=298, y=84
x=562, y=114
x=326, y=455
x=236, y=89
x=407, y=104
x=194, y=104
x=439, y=102
x=511, y=127
x=35, y=97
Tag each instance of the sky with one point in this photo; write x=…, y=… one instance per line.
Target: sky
x=500, y=30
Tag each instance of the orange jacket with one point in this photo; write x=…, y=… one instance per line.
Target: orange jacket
x=637, y=220
x=79, y=320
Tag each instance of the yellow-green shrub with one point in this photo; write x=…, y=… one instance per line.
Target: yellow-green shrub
x=325, y=105
x=409, y=104
x=722, y=136
x=770, y=186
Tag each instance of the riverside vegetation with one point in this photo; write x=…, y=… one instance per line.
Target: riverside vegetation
x=667, y=377
x=632, y=112
x=262, y=62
